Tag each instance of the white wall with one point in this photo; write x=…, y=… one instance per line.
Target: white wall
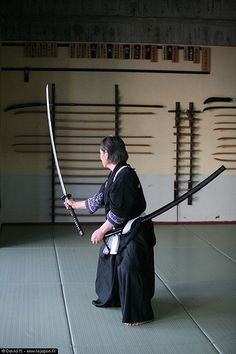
x=26, y=180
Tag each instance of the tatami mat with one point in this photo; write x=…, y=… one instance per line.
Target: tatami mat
x=33, y=316
x=24, y=265
x=47, y=275
x=172, y=329
x=202, y=277
x=222, y=237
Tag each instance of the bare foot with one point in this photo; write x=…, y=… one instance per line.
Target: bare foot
x=133, y=324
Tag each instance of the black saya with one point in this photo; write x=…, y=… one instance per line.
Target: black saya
x=174, y=203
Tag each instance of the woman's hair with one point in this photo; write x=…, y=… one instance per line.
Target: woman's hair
x=115, y=147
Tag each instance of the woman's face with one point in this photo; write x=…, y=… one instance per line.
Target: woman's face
x=104, y=157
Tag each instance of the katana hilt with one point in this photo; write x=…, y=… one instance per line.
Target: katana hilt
x=76, y=221
x=73, y=215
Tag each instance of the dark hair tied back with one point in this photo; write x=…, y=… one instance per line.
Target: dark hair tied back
x=115, y=147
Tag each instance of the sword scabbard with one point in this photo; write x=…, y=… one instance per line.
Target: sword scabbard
x=175, y=202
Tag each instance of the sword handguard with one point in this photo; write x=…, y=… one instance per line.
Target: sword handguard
x=66, y=196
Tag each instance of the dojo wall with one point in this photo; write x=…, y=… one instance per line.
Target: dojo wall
x=26, y=177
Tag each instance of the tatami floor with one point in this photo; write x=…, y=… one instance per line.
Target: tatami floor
x=47, y=276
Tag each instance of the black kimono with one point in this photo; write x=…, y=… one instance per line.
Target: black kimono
x=126, y=279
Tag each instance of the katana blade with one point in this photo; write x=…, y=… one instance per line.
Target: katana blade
x=65, y=195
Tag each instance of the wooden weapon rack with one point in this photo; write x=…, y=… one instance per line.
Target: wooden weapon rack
x=186, y=149
x=78, y=145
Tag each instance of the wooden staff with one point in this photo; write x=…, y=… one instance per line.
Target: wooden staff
x=79, y=160
x=225, y=122
x=224, y=153
x=83, y=129
x=36, y=104
x=85, y=176
x=226, y=160
x=79, y=152
x=85, y=112
x=219, y=99
x=225, y=115
x=72, y=144
x=64, y=120
x=227, y=138
x=177, y=112
x=81, y=136
x=224, y=129
x=204, y=70
x=218, y=107
x=192, y=127
x=97, y=129
x=73, y=168
x=226, y=146
x=81, y=183
x=117, y=111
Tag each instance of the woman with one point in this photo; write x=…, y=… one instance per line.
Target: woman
x=125, y=273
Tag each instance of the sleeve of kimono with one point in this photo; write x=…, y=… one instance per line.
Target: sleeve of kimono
x=96, y=201
x=115, y=219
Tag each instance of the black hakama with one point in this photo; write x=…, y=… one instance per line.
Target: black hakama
x=127, y=279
